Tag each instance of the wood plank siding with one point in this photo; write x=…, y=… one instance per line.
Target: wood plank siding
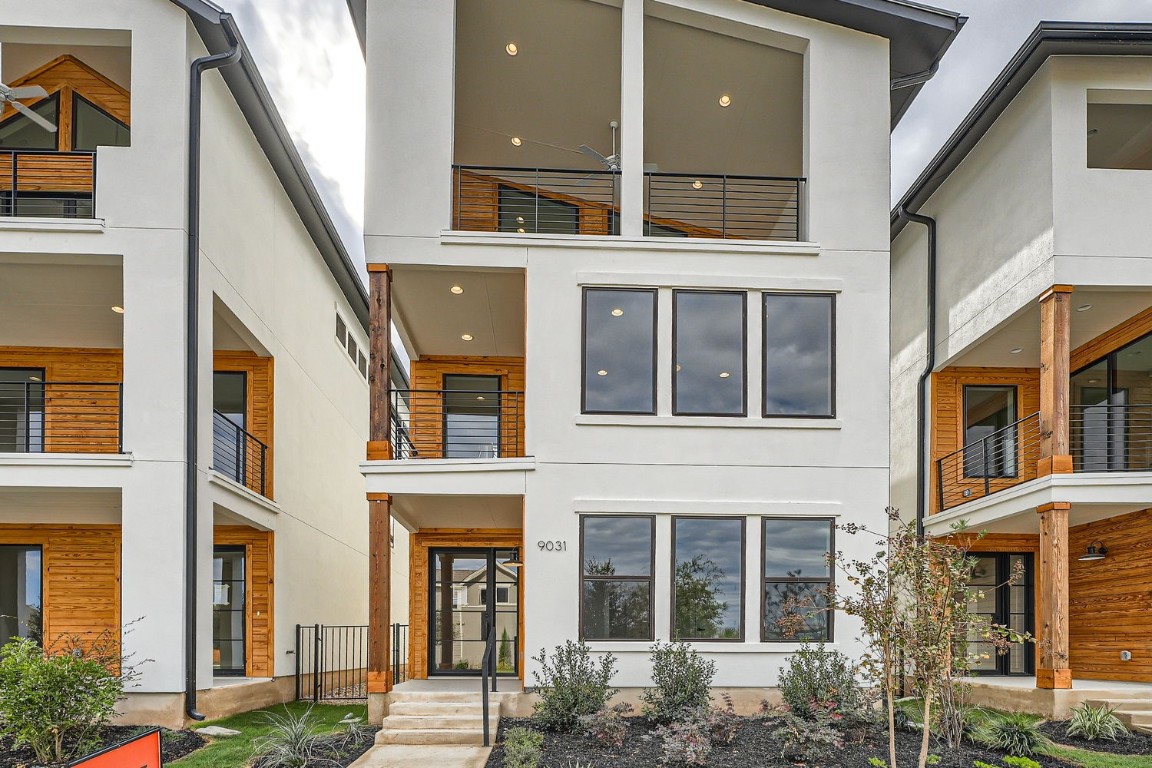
x=427, y=375
x=261, y=402
x=419, y=585
x=259, y=575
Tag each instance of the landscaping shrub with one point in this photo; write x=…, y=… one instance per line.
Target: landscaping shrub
x=816, y=674
x=607, y=725
x=723, y=722
x=685, y=741
x=571, y=685
x=1021, y=762
x=1015, y=733
x=522, y=748
x=682, y=678
x=291, y=741
x=1092, y=723
x=809, y=737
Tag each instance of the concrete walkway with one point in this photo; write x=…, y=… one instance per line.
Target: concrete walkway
x=430, y=755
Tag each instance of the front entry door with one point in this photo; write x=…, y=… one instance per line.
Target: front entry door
x=1006, y=605
x=470, y=592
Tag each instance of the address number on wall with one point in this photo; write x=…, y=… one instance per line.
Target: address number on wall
x=552, y=546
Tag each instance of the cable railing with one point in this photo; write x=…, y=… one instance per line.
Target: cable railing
x=61, y=417
x=730, y=207
x=1111, y=438
x=1000, y=460
x=457, y=424
x=38, y=183
x=237, y=454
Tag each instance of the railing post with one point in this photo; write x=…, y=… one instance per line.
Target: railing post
x=28, y=417
x=724, y=206
x=940, y=483
x=536, y=203
x=317, y=650
x=297, y=654
x=984, y=451
x=120, y=417
x=15, y=183
x=263, y=459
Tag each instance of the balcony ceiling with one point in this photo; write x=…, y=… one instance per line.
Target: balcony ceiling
x=415, y=512
x=45, y=302
x=90, y=506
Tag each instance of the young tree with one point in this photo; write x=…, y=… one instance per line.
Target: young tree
x=699, y=613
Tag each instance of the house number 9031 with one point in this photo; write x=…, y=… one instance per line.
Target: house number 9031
x=552, y=546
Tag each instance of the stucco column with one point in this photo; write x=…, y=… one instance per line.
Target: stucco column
x=1053, y=670
x=632, y=119
x=379, y=594
x=1055, y=373
x=380, y=353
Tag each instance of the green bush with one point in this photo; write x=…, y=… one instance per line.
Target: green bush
x=291, y=741
x=815, y=674
x=685, y=742
x=607, y=726
x=683, y=680
x=809, y=738
x=1014, y=733
x=522, y=748
x=1092, y=723
x=571, y=685
x=1021, y=762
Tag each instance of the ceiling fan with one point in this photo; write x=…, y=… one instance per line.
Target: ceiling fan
x=14, y=96
x=612, y=161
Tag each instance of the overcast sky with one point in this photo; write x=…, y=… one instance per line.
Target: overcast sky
x=308, y=54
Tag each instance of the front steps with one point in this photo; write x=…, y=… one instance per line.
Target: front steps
x=438, y=718
x=1134, y=713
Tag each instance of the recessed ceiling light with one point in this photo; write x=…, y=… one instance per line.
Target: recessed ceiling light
x=118, y=310
x=725, y=100
x=601, y=372
x=516, y=141
x=466, y=337
x=456, y=289
x=677, y=366
x=617, y=312
x=34, y=378
x=697, y=184
x=1083, y=307
x=1093, y=381
x=724, y=374
x=1016, y=351
x=520, y=230
x=511, y=49
x=479, y=397
x=519, y=219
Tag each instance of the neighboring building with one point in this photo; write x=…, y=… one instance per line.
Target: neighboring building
x=638, y=253
x=94, y=236
x=1037, y=423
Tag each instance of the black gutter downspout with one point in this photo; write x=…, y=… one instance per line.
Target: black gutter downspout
x=922, y=468
x=191, y=362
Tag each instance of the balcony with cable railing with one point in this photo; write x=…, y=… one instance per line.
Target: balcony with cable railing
x=47, y=184
x=61, y=417
x=238, y=455
x=457, y=424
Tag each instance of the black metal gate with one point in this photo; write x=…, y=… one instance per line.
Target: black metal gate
x=332, y=661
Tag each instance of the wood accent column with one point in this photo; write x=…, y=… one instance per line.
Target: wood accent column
x=380, y=353
x=379, y=593
x=1055, y=375
x=1053, y=670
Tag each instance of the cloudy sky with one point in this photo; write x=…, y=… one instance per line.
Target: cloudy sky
x=308, y=53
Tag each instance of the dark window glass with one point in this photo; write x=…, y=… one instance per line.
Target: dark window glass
x=230, y=455
x=230, y=396
x=616, y=578
x=989, y=439
x=20, y=593
x=341, y=330
x=228, y=607
x=796, y=578
x=1111, y=406
x=525, y=212
x=799, y=370
x=93, y=127
x=709, y=342
x=21, y=410
x=352, y=348
x=619, y=350
x=472, y=417
x=708, y=582
x=19, y=132
x=362, y=364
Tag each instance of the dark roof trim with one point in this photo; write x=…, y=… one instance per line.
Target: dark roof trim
x=1050, y=38
x=251, y=94
x=919, y=34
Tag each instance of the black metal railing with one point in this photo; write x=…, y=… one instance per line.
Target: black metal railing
x=237, y=454
x=331, y=662
x=488, y=671
x=730, y=207
x=399, y=653
x=1001, y=460
x=456, y=424
x=40, y=183
x=1111, y=438
x=61, y=417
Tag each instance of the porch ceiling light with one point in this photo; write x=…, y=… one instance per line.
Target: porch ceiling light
x=515, y=560
x=601, y=372
x=456, y=289
x=724, y=374
x=466, y=336
x=517, y=141
x=725, y=100
x=1016, y=351
x=617, y=312
x=1083, y=307
x=511, y=49
x=1096, y=551
x=118, y=310
x=697, y=184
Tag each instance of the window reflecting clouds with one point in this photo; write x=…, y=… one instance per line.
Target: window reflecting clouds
x=798, y=354
x=619, y=351
x=708, y=353
x=616, y=578
x=708, y=594
x=796, y=576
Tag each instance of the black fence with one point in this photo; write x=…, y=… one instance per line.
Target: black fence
x=1111, y=438
x=456, y=424
x=61, y=417
x=238, y=455
x=332, y=661
x=48, y=184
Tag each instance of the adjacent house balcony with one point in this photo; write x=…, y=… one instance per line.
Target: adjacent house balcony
x=237, y=454
x=61, y=417
x=457, y=424
x=47, y=184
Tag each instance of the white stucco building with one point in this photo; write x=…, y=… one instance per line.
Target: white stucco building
x=95, y=232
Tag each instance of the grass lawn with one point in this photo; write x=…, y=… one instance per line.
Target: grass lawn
x=236, y=751
x=1086, y=759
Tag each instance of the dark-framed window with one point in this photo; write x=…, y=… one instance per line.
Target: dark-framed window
x=1110, y=406
x=93, y=127
x=229, y=609
x=990, y=444
x=22, y=405
x=796, y=577
x=617, y=555
x=799, y=355
x=19, y=132
x=619, y=351
x=708, y=578
x=709, y=353
x=472, y=417
x=21, y=592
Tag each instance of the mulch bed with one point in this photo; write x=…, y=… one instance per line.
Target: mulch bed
x=1133, y=744
x=173, y=745
x=754, y=746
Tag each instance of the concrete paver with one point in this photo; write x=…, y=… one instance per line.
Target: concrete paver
x=423, y=756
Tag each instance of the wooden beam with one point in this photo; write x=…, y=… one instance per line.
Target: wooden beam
x=379, y=594
x=1055, y=372
x=1053, y=671
x=380, y=353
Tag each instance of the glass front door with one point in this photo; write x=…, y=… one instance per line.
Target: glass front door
x=229, y=588
x=473, y=591
x=1005, y=605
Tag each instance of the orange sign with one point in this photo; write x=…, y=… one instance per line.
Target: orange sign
x=141, y=751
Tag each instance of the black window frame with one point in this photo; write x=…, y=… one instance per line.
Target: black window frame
x=743, y=580
x=52, y=97
x=655, y=292
x=830, y=579
x=994, y=474
x=743, y=413
x=832, y=353
x=650, y=579
x=76, y=98
x=235, y=549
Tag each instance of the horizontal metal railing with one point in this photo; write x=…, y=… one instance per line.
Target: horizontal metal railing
x=1003, y=459
x=1111, y=438
x=237, y=454
x=48, y=184
x=61, y=417
x=732, y=207
x=456, y=424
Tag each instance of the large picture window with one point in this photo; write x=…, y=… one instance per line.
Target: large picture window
x=989, y=438
x=619, y=350
x=21, y=611
x=708, y=580
x=799, y=355
x=797, y=576
x=616, y=555
x=709, y=343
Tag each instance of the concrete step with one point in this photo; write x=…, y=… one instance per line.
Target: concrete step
x=432, y=736
x=436, y=708
x=447, y=723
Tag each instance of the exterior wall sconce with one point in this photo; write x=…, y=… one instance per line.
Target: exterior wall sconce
x=514, y=560
x=1096, y=551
